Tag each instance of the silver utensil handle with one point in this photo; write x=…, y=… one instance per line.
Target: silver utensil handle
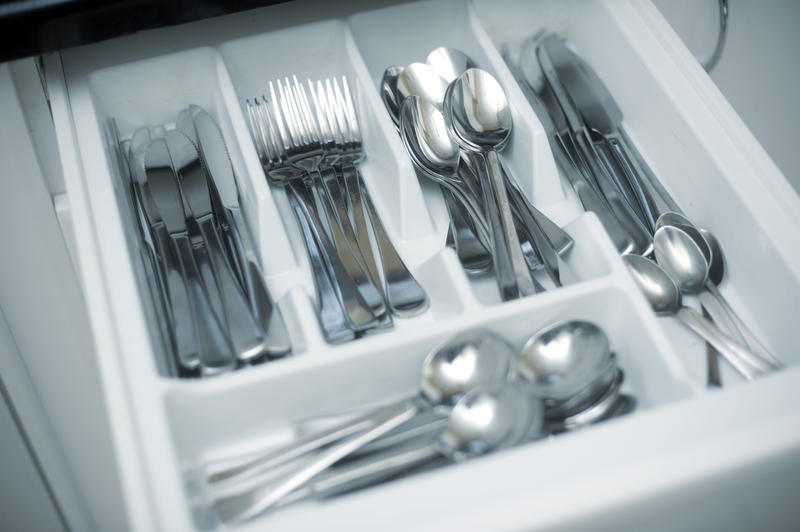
x=713, y=377
x=278, y=342
x=739, y=325
x=362, y=242
x=372, y=471
x=245, y=333
x=513, y=277
x=472, y=254
x=404, y=294
x=183, y=324
x=559, y=239
x=589, y=198
x=241, y=507
x=619, y=206
x=214, y=349
x=229, y=472
x=540, y=241
x=349, y=258
x=739, y=357
x=333, y=321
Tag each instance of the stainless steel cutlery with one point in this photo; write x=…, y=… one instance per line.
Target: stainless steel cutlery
x=217, y=311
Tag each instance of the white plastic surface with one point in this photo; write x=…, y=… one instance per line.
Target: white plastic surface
x=680, y=123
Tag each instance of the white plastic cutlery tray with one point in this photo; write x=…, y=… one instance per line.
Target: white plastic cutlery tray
x=691, y=138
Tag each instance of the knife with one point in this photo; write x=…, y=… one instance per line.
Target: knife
x=200, y=127
x=215, y=352
x=245, y=333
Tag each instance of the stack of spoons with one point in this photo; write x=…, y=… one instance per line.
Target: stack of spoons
x=476, y=395
x=454, y=120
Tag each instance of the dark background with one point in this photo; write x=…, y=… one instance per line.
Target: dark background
x=31, y=27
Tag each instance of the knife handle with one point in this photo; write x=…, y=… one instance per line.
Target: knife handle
x=214, y=349
x=245, y=333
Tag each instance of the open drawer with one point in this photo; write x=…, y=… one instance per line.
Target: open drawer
x=681, y=436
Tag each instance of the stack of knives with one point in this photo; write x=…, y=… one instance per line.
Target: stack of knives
x=214, y=310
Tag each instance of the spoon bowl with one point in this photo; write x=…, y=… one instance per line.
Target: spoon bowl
x=682, y=258
x=425, y=136
x=448, y=62
x=477, y=111
x=657, y=286
x=490, y=418
x=419, y=79
x=565, y=358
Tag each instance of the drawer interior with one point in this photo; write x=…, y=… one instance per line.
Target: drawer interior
x=146, y=80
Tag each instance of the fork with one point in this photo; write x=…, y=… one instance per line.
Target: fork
x=403, y=293
x=342, y=309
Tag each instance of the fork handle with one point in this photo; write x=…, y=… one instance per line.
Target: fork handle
x=406, y=297
x=358, y=313
x=332, y=320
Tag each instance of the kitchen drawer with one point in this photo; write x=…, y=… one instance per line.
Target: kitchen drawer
x=681, y=434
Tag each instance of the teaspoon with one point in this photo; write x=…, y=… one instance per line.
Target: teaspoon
x=664, y=298
x=479, y=120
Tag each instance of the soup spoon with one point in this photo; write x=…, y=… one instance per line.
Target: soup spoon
x=572, y=368
x=484, y=420
x=465, y=361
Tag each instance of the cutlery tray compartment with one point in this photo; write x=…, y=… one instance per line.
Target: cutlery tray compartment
x=676, y=121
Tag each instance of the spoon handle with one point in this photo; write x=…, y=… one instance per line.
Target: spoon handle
x=513, y=277
x=738, y=324
x=243, y=506
x=374, y=470
x=739, y=357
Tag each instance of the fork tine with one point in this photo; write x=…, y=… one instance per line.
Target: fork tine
x=292, y=130
x=326, y=135
x=283, y=133
x=302, y=137
x=351, y=111
x=327, y=111
x=336, y=111
x=305, y=109
x=256, y=129
x=270, y=142
x=341, y=109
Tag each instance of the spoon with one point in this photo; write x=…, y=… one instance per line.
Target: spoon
x=664, y=298
x=479, y=120
x=485, y=419
x=572, y=368
x=389, y=93
x=712, y=299
x=435, y=155
x=471, y=252
x=463, y=362
x=683, y=259
x=550, y=239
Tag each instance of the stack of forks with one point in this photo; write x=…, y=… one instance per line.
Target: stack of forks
x=312, y=147
x=213, y=307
